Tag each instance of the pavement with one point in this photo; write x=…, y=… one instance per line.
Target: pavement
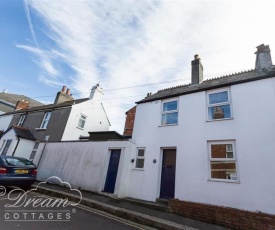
x=156, y=215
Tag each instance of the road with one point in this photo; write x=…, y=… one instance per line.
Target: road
x=28, y=213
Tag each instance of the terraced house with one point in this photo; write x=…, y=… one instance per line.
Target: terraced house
x=209, y=143
x=65, y=119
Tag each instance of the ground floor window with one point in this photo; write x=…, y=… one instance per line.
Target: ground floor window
x=222, y=161
x=7, y=146
x=34, y=150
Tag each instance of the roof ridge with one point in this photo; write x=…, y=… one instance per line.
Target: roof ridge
x=228, y=75
x=173, y=87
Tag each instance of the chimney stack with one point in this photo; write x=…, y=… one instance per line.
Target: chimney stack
x=263, y=57
x=22, y=104
x=96, y=93
x=63, y=96
x=197, y=70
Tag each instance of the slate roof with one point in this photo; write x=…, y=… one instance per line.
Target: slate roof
x=48, y=107
x=21, y=132
x=232, y=79
x=14, y=98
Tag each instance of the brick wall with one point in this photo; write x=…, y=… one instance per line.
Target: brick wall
x=228, y=217
x=129, y=123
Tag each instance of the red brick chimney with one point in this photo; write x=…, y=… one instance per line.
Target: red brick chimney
x=22, y=104
x=129, y=123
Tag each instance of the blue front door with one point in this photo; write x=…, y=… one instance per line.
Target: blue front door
x=167, y=188
x=112, y=171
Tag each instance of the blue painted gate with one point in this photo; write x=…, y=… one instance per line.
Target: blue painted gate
x=112, y=171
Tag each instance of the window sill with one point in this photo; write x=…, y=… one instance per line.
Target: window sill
x=168, y=125
x=79, y=128
x=225, y=181
x=138, y=169
x=223, y=119
x=40, y=129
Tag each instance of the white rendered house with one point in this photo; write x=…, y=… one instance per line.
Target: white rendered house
x=211, y=141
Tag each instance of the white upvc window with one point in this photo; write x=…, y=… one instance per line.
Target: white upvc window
x=169, y=112
x=21, y=120
x=222, y=161
x=81, y=121
x=140, y=158
x=219, y=105
x=45, y=121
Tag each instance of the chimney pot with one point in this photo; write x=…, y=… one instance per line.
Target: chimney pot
x=196, y=57
x=68, y=92
x=63, y=89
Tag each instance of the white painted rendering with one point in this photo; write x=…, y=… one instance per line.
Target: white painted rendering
x=96, y=120
x=10, y=135
x=24, y=148
x=20, y=147
x=84, y=164
x=5, y=121
x=252, y=128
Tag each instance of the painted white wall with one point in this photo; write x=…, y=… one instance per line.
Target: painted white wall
x=10, y=135
x=5, y=121
x=96, y=120
x=24, y=148
x=252, y=128
x=85, y=164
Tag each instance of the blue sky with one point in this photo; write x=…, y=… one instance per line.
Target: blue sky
x=150, y=44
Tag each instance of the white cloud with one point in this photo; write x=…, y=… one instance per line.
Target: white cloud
x=124, y=43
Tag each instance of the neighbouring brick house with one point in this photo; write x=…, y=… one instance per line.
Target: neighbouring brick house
x=10, y=102
x=208, y=147
x=129, y=122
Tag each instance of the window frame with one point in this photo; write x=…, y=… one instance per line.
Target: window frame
x=34, y=151
x=7, y=147
x=170, y=111
x=45, y=119
x=233, y=160
x=80, y=118
x=21, y=120
x=140, y=158
x=229, y=102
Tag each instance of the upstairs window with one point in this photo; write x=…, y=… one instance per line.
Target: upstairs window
x=21, y=120
x=219, y=105
x=46, y=119
x=140, y=158
x=81, y=121
x=169, y=113
x=223, y=163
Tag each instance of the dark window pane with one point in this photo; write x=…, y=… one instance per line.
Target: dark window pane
x=168, y=106
x=218, y=97
x=7, y=146
x=223, y=170
x=219, y=112
x=141, y=152
x=170, y=118
x=140, y=163
x=218, y=151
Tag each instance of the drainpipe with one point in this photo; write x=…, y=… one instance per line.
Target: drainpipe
x=16, y=146
x=46, y=138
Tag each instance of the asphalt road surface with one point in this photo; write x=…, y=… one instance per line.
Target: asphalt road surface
x=29, y=211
